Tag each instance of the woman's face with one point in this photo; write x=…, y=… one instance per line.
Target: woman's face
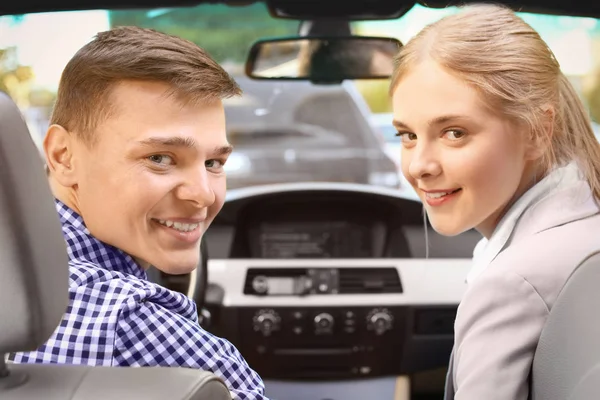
x=466, y=163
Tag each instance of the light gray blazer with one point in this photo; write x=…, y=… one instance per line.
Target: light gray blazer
x=503, y=311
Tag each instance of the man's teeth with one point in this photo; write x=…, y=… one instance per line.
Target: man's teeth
x=438, y=194
x=180, y=226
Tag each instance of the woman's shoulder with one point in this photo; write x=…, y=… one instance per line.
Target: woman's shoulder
x=547, y=259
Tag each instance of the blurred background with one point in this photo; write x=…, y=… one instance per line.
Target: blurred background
x=281, y=131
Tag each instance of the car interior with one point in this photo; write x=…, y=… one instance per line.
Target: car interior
x=331, y=289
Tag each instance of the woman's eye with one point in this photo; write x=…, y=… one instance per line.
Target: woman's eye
x=454, y=134
x=161, y=159
x=406, y=136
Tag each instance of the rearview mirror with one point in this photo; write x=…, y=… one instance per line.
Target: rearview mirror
x=323, y=59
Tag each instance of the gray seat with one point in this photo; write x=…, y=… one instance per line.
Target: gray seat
x=34, y=293
x=567, y=361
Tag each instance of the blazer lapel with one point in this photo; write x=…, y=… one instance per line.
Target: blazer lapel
x=449, y=388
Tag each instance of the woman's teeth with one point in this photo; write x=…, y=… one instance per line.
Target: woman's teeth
x=179, y=226
x=438, y=195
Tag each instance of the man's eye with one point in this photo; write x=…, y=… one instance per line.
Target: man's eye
x=161, y=159
x=214, y=164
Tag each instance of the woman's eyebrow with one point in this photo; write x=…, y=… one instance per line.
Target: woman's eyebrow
x=443, y=119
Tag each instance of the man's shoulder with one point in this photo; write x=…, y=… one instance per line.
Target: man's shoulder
x=95, y=285
x=84, y=272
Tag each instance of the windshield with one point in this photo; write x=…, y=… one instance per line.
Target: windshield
x=281, y=131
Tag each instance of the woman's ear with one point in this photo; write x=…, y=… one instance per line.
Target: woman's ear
x=59, y=150
x=541, y=140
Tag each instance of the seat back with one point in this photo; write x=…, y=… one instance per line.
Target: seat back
x=34, y=280
x=34, y=276
x=566, y=365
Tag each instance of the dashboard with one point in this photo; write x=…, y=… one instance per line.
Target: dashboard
x=322, y=221
x=331, y=281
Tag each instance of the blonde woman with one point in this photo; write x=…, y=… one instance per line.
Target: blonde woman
x=495, y=138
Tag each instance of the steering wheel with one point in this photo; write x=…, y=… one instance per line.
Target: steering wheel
x=199, y=278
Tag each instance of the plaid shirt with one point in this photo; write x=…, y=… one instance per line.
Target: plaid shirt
x=116, y=317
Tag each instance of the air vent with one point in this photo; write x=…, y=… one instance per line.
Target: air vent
x=369, y=280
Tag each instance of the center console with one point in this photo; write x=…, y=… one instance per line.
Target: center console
x=323, y=342
x=334, y=323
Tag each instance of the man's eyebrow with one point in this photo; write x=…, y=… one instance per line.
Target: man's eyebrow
x=185, y=142
x=173, y=141
x=435, y=121
x=223, y=150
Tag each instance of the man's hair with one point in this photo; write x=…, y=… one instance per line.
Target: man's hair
x=134, y=54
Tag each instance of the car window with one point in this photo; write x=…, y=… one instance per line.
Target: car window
x=335, y=125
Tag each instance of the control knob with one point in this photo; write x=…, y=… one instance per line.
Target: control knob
x=379, y=320
x=266, y=321
x=323, y=323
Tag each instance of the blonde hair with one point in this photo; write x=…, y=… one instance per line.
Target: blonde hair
x=517, y=75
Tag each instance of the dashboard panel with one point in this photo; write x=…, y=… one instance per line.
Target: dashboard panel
x=336, y=336
x=331, y=281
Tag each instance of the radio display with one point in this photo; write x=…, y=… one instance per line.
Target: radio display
x=308, y=239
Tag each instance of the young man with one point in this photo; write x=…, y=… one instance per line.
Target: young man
x=135, y=155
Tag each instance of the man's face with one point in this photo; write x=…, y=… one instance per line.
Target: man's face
x=153, y=180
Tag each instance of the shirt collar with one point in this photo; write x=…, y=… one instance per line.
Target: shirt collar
x=487, y=250
x=81, y=245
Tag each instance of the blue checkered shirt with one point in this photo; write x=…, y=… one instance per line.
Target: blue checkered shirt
x=116, y=317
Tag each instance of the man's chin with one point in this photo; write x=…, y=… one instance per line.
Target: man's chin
x=177, y=263
x=177, y=269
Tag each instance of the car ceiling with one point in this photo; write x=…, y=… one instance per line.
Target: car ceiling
x=302, y=8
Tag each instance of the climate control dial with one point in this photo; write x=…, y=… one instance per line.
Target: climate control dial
x=267, y=321
x=380, y=320
x=324, y=323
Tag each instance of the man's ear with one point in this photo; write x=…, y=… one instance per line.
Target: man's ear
x=59, y=149
x=541, y=141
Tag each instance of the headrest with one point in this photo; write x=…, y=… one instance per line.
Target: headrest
x=34, y=274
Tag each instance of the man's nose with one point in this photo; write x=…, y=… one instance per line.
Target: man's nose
x=197, y=188
x=424, y=162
